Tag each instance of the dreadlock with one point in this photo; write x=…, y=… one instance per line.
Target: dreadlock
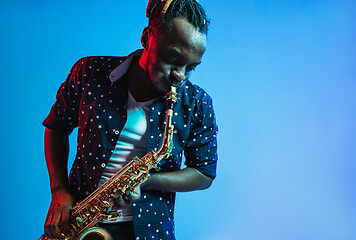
x=190, y=10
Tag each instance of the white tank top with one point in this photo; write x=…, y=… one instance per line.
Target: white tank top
x=132, y=142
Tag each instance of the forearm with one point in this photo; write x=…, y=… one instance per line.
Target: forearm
x=188, y=179
x=56, y=153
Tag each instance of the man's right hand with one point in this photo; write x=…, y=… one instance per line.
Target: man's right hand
x=58, y=216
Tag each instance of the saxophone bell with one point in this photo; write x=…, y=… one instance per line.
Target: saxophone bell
x=96, y=233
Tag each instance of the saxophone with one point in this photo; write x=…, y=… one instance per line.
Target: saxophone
x=93, y=209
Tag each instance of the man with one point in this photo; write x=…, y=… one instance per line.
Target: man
x=118, y=105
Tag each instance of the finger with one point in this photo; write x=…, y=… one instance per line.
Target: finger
x=135, y=194
x=55, y=226
x=121, y=201
x=117, y=194
x=65, y=222
x=47, y=226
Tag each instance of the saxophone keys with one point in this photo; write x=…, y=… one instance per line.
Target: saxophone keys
x=79, y=220
x=73, y=229
x=106, y=203
x=113, y=216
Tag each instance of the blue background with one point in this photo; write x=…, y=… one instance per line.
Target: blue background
x=281, y=73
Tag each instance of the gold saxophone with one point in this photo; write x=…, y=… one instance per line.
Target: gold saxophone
x=93, y=209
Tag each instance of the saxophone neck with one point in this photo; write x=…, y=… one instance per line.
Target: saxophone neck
x=167, y=144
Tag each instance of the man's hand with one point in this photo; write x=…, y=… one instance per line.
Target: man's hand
x=124, y=200
x=58, y=216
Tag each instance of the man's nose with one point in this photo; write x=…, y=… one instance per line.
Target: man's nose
x=178, y=74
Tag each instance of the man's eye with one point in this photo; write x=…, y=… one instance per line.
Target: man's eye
x=172, y=60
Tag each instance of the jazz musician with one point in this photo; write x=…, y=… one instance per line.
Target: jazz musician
x=118, y=105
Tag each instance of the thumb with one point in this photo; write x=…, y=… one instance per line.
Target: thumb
x=135, y=194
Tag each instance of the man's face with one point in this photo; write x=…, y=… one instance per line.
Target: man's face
x=172, y=55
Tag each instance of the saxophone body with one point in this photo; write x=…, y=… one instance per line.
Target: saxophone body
x=86, y=214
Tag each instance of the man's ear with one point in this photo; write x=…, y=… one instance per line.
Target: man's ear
x=145, y=37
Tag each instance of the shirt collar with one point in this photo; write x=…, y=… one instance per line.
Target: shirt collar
x=120, y=70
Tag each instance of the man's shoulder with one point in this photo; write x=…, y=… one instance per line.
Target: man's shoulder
x=101, y=60
x=195, y=91
x=102, y=64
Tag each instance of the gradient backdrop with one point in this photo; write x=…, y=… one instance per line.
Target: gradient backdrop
x=283, y=78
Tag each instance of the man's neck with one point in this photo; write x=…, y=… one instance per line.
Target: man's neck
x=139, y=86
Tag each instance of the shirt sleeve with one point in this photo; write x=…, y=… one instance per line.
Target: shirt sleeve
x=63, y=116
x=201, y=147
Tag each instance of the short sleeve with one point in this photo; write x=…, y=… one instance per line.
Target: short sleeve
x=201, y=147
x=63, y=115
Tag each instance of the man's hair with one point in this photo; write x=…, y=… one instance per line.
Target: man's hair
x=189, y=10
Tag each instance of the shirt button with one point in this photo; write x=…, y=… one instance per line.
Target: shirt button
x=117, y=132
x=103, y=165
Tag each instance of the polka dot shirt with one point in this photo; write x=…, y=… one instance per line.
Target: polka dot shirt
x=94, y=99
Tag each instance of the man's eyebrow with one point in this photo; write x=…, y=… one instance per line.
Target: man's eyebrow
x=177, y=52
